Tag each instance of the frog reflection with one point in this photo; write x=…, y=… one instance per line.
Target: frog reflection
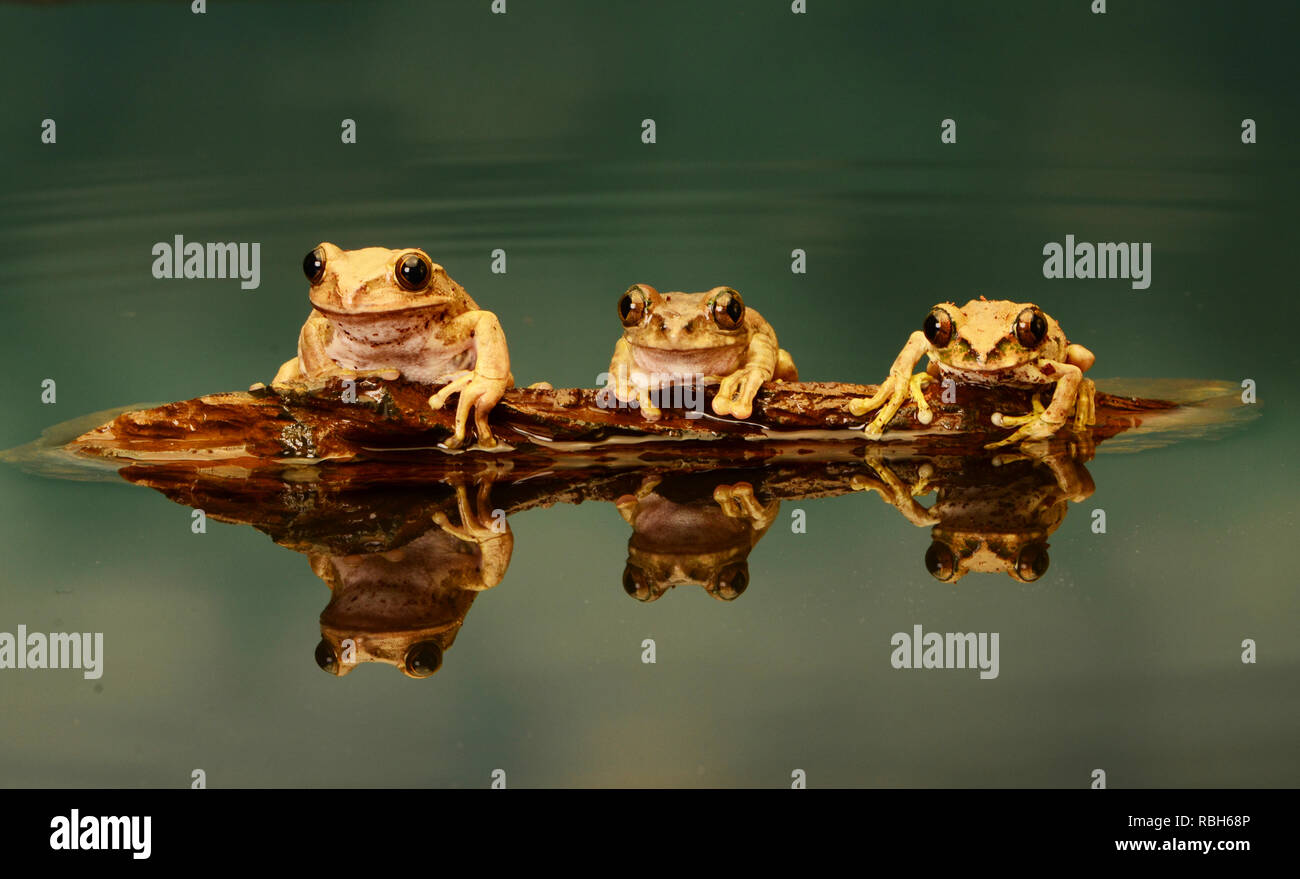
x=991, y=513
x=404, y=606
x=692, y=529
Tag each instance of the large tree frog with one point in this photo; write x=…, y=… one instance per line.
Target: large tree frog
x=391, y=313
x=672, y=338
x=990, y=342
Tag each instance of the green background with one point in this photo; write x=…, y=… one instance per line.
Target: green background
x=775, y=131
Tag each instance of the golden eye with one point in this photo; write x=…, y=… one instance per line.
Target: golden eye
x=423, y=659
x=313, y=265
x=632, y=306
x=937, y=327
x=727, y=309
x=940, y=561
x=413, y=272
x=1031, y=327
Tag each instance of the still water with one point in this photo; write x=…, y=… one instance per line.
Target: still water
x=773, y=132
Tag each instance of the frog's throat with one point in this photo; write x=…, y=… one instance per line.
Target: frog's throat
x=391, y=329
x=722, y=360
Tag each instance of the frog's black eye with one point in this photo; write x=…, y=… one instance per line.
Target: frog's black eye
x=937, y=327
x=423, y=659
x=1031, y=328
x=727, y=309
x=1032, y=562
x=413, y=272
x=637, y=584
x=732, y=581
x=313, y=265
x=940, y=561
x=325, y=657
x=632, y=306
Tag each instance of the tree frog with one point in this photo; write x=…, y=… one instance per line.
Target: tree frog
x=990, y=513
x=405, y=606
x=690, y=528
x=990, y=342
x=391, y=313
x=669, y=338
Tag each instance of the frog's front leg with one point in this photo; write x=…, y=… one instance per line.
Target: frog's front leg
x=622, y=368
x=313, y=364
x=481, y=388
x=481, y=526
x=738, y=502
x=895, y=388
x=735, y=395
x=895, y=492
x=1045, y=424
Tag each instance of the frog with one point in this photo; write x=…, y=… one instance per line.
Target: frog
x=992, y=513
x=387, y=313
x=692, y=528
x=404, y=605
x=668, y=338
x=991, y=342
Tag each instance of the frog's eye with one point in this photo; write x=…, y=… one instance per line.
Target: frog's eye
x=423, y=659
x=413, y=272
x=1032, y=562
x=727, y=309
x=940, y=561
x=632, y=306
x=637, y=584
x=313, y=265
x=732, y=581
x=938, y=328
x=325, y=657
x=1031, y=327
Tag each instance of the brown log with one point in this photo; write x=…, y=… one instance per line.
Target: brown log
x=393, y=421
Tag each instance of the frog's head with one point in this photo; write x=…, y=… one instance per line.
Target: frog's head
x=991, y=335
x=648, y=576
x=683, y=321
x=376, y=281
x=952, y=555
x=417, y=653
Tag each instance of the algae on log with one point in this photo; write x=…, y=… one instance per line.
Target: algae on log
x=376, y=419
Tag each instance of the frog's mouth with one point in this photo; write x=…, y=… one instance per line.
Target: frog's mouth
x=381, y=328
x=685, y=363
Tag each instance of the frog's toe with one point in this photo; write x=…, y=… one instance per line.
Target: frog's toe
x=858, y=407
x=1036, y=428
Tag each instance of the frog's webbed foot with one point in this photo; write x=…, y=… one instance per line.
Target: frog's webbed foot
x=738, y=502
x=479, y=521
x=478, y=393
x=889, y=399
x=896, y=492
x=626, y=504
x=1001, y=420
x=735, y=395
x=1037, y=427
x=627, y=389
